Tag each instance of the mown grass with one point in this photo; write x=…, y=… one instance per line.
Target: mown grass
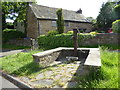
x=22, y=64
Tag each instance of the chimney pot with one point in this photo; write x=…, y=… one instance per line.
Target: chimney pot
x=79, y=11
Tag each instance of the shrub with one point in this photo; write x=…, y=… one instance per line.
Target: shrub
x=60, y=21
x=60, y=40
x=10, y=25
x=52, y=32
x=116, y=26
x=8, y=34
x=93, y=33
x=70, y=32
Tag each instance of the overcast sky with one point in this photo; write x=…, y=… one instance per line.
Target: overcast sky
x=90, y=8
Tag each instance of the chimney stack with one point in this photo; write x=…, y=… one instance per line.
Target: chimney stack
x=79, y=11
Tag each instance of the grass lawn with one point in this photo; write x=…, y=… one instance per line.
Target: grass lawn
x=22, y=64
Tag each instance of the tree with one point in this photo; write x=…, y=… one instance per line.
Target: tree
x=60, y=21
x=106, y=16
x=117, y=11
x=116, y=26
x=14, y=10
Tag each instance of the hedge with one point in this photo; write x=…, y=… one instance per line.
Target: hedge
x=116, y=26
x=60, y=40
x=52, y=32
x=8, y=34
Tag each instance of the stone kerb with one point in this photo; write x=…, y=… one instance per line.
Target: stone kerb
x=93, y=58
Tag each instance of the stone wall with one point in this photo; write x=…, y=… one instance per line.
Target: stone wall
x=46, y=60
x=47, y=57
x=32, y=25
x=72, y=25
x=102, y=39
x=20, y=42
x=99, y=39
x=46, y=26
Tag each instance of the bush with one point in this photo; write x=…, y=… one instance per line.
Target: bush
x=70, y=32
x=93, y=33
x=8, y=34
x=116, y=26
x=60, y=40
x=10, y=25
x=52, y=32
x=60, y=21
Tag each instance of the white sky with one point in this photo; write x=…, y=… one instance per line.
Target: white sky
x=89, y=7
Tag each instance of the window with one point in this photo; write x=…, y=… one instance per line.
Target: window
x=54, y=23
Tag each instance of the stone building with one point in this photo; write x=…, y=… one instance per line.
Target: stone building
x=41, y=19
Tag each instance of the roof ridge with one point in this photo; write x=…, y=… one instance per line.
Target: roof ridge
x=45, y=12
x=53, y=7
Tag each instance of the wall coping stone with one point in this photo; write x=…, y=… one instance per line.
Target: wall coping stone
x=47, y=52
x=93, y=58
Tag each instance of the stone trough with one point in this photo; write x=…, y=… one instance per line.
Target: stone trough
x=87, y=56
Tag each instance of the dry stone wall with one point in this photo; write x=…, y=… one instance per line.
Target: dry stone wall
x=47, y=59
x=102, y=39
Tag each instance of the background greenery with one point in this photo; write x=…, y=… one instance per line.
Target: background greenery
x=60, y=40
x=116, y=26
x=8, y=34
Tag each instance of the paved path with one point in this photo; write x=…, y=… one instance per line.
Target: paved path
x=10, y=52
x=60, y=75
x=6, y=84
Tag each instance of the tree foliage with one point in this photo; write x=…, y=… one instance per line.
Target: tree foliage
x=15, y=11
x=117, y=11
x=116, y=26
x=60, y=21
x=106, y=15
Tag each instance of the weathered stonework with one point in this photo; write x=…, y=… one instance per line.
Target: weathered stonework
x=102, y=39
x=87, y=56
x=32, y=25
x=47, y=59
x=72, y=25
x=20, y=42
x=99, y=39
x=46, y=26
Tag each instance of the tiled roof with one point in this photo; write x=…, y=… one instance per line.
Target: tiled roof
x=44, y=12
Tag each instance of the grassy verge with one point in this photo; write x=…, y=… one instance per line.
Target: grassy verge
x=22, y=64
x=106, y=77
x=6, y=46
